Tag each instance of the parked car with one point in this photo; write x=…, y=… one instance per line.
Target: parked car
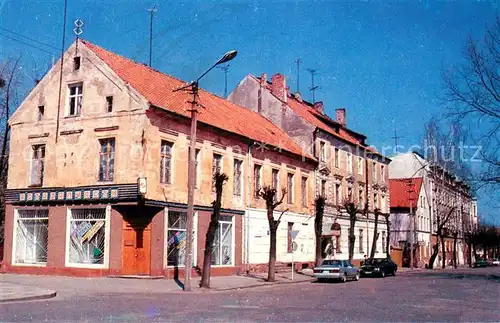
x=341, y=270
x=495, y=262
x=378, y=267
x=481, y=263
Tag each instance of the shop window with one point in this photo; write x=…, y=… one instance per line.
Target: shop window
x=222, y=254
x=87, y=236
x=31, y=236
x=176, y=239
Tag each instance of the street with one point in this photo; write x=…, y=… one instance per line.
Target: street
x=451, y=295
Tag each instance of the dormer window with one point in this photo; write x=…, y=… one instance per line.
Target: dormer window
x=76, y=63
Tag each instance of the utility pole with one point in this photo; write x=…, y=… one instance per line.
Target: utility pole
x=225, y=69
x=313, y=87
x=151, y=14
x=298, y=61
x=412, y=220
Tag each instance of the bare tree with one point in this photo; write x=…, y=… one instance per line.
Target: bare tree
x=375, y=234
x=219, y=180
x=388, y=239
x=472, y=93
x=352, y=210
x=319, y=204
x=268, y=194
x=444, y=214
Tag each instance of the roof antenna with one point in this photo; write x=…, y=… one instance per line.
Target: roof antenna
x=225, y=68
x=313, y=87
x=298, y=61
x=396, y=137
x=151, y=14
x=78, y=30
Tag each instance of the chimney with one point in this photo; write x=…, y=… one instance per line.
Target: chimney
x=279, y=87
x=263, y=79
x=298, y=97
x=318, y=106
x=340, y=116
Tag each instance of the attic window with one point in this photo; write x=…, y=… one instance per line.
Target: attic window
x=109, y=103
x=41, y=112
x=76, y=63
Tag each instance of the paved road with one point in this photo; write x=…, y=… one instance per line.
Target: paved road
x=465, y=295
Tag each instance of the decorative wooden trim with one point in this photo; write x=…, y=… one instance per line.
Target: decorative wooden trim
x=169, y=132
x=291, y=167
x=111, y=128
x=218, y=146
x=71, y=132
x=41, y=135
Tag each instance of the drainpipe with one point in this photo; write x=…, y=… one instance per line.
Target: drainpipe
x=247, y=211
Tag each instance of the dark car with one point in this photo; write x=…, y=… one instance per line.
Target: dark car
x=481, y=263
x=378, y=267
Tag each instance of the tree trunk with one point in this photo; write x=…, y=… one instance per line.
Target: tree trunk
x=318, y=258
x=352, y=237
x=272, y=252
x=435, y=252
x=455, y=250
x=375, y=237
x=388, y=241
x=443, y=251
x=319, y=204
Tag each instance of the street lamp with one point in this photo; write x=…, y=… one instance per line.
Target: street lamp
x=191, y=167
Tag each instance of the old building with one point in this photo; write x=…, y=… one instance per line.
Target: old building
x=442, y=196
x=98, y=174
x=348, y=167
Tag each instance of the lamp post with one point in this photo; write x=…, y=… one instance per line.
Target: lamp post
x=191, y=167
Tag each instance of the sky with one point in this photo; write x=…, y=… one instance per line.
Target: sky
x=382, y=60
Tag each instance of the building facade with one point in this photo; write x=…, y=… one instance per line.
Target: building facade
x=97, y=179
x=348, y=168
x=442, y=196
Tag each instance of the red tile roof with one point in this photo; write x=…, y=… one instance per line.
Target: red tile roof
x=399, y=195
x=311, y=115
x=157, y=88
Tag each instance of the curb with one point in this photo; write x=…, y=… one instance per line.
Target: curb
x=29, y=298
x=261, y=285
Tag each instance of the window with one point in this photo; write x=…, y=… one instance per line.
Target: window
x=166, y=162
x=41, y=112
x=349, y=163
x=237, y=177
x=323, y=187
x=374, y=171
x=337, y=194
x=109, y=103
x=383, y=242
x=382, y=203
x=290, y=188
x=176, y=238
x=349, y=194
x=289, y=244
x=76, y=63
x=361, y=241
x=322, y=151
x=360, y=199
x=336, y=157
x=107, y=160
x=216, y=167
x=75, y=99
x=360, y=165
x=338, y=245
x=223, y=244
x=256, y=179
x=31, y=236
x=196, y=160
x=382, y=173
x=87, y=236
x=275, y=179
x=303, y=189
x=37, y=165
x=375, y=200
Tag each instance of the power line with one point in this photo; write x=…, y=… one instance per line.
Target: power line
x=27, y=44
x=28, y=38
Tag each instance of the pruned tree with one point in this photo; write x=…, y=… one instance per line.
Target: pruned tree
x=442, y=219
x=472, y=94
x=352, y=210
x=319, y=210
x=219, y=180
x=388, y=239
x=376, y=234
x=268, y=194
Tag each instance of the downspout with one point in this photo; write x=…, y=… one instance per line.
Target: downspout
x=247, y=211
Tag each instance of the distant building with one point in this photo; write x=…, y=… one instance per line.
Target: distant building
x=98, y=184
x=348, y=167
x=434, y=192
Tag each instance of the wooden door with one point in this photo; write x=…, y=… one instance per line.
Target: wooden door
x=136, y=248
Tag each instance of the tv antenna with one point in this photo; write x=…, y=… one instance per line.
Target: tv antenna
x=151, y=15
x=396, y=137
x=313, y=87
x=225, y=69
x=298, y=61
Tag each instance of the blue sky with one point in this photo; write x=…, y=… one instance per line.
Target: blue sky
x=382, y=61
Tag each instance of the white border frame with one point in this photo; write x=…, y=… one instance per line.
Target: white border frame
x=107, y=226
x=165, y=239
x=233, y=241
x=172, y=159
x=67, y=109
x=14, y=239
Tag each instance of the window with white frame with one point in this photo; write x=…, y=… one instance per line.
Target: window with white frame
x=107, y=160
x=336, y=152
x=31, y=236
x=222, y=254
x=360, y=165
x=374, y=171
x=290, y=187
x=361, y=199
x=349, y=163
x=37, y=165
x=87, y=236
x=166, y=162
x=75, y=99
x=237, y=177
x=256, y=179
x=322, y=151
x=275, y=182
x=303, y=191
x=176, y=238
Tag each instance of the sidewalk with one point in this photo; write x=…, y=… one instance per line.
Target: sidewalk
x=13, y=292
x=20, y=285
